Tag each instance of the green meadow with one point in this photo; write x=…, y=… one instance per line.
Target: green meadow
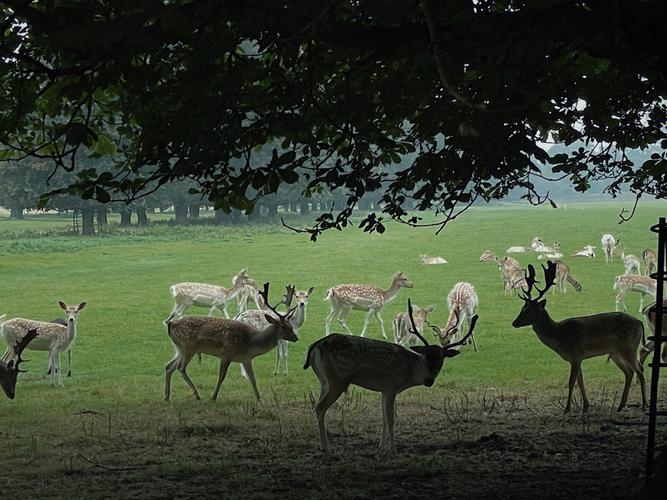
x=113, y=405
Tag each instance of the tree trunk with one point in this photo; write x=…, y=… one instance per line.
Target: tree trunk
x=16, y=213
x=273, y=210
x=194, y=211
x=88, y=221
x=305, y=209
x=125, y=217
x=142, y=217
x=102, y=220
x=180, y=213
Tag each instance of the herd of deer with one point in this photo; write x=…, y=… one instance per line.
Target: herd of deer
x=340, y=360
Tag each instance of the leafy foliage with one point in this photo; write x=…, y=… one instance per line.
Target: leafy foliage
x=464, y=92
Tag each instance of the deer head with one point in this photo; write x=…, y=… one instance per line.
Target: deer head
x=9, y=372
x=402, y=281
x=534, y=307
x=71, y=311
x=280, y=321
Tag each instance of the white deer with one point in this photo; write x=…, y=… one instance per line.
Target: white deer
x=9, y=371
x=649, y=313
x=426, y=260
x=215, y=297
x=615, y=334
x=462, y=301
x=257, y=319
x=401, y=325
x=341, y=360
x=588, y=251
x=631, y=262
x=226, y=339
x=52, y=337
x=608, y=245
x=345, y=298
x=644, y=285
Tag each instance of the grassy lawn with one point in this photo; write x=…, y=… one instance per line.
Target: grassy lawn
x=112, y=407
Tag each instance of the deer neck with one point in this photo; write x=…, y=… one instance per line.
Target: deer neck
x=390, y=294
x=71, y=331
x=234, y=290
x=299, y=317
x=546, y=329
x=265, y=340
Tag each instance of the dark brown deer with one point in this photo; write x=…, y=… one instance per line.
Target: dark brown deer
x=10, y=371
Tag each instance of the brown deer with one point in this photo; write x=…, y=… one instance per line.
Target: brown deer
x=10, y=371
x=649, y=316
x=615, y=334
x=341, y=360
x=564, y=274
x=650, y=261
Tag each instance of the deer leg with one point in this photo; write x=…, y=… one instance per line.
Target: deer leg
x=244, y=373
x=639, y=370
x=575, y=366
x=169, y=370
x=628, y=372
x=8, y=355
x=275, y=370
x=69, y=362
x=251, y=376
x=328, y=396
x=224, y=310
x=329, y=319
x=580, y=382
x=224, y=364
x=366, y=321
x=342, y=319
x=388, y=399
x=378, y=317
x=285, y=355
x=182, y=367
x=645, y=351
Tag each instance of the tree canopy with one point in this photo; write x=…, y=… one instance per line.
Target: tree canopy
x=432, y=103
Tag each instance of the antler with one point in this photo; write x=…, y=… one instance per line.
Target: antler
x=473, y=322
x=452, y=328
x=549, y=279
x=414, y=330
x=21, y=345
x=265, y=296
x=291, y=291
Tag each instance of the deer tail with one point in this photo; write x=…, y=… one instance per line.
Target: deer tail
x=329, y=295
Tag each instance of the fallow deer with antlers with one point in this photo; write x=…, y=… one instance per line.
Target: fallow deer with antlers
x=341, y=360
x=615, y=334
x=9, y=371
x=226, y=339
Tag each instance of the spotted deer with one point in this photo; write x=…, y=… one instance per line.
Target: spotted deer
x=650, y=261
x=188, y=294
x=649, y=312
x=563, y=275
x=608, y=245
x=511, y=273
x=487, y=256
x=401, y=324
x=615, y=334
x=52, y=337
x=462, y=301
x=345, y=298
x=630, y=262
x=249, y=291
x=342, y=360
x=644, y=285
x=9, y=371
x=226, y=339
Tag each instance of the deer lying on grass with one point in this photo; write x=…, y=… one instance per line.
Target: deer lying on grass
x=257, y=319
x=226, y=339
x=345, y=298
x=588, y=251
x=608, y=246
x=487, y=256
x=563, y=274
x=402, y=335
x=644, y=285
x=650, y=261
x=10, y=371
x=616, y=334
x=341, y=360
x=426, y=260
x=649, y=317
x=52, y=337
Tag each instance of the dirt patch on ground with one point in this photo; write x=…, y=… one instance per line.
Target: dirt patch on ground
x=484, y=445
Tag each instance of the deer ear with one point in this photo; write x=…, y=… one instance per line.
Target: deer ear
x=543, y=303
x=310, y=290
x=62, y=305
x=270, y=319
x=82, y=305
x=430, y=308
x=450, y=353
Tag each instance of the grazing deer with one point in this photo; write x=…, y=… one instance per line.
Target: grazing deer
x=462, y=301
x=345, y=298
x=402, y=335
x=426, y=260
x=256, y=318
x=487, y=256
x=9, y=371
x=563, y=274
x=341, y=360
x=511, y=273
x=616, y=334
x=588, y=251
x=644, y=285
x=226, y=339
x=650, y=261
x=608, y=245
x=631, y=262
x=203, y=295
x=52, y=337
x=649, y=313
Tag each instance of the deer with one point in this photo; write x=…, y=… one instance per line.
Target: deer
x=650, y=261
x=426, y=260
x=189, y=294
x=9, y=371
x=615, y=334
x=516, y=249
x=52, y=337
x=649, y=313
x=644, y=285
x=345, y=298
x=588, y=251
x=462, y=301
x=487, y=256
x=511, y=272
x=249, y=291
x=564, y=274
x=402, y=335
x=256, y=318
x=630, y=262
x=340, y=360
x=608, y=245
x=226, y=339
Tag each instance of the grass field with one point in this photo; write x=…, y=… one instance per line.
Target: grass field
x=109, y=430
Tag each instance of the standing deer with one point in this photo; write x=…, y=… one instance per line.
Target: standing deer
x=650, y=261
x=563, y=274
x=215, y=297
x=52, y=337
x=615, y=334
x=249, y=291
x=402, y=335
x=226, y=339
x=631, y=262
x=644, y=285
x=345, y=298
x=649, y=318
x=608, y=245
x=462, y=301
x=9, y=371
x=257, y=319
x=341, y=360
